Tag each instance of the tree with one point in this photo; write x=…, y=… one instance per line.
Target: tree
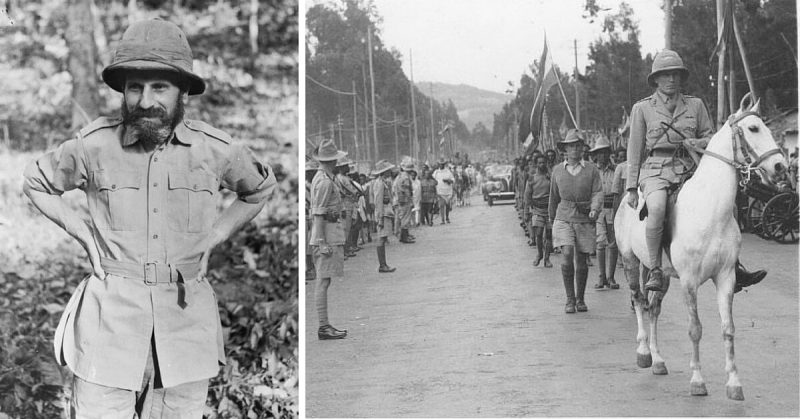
x=82, y=63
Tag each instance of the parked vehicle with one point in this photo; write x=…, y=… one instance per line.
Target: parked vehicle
x=497, y=185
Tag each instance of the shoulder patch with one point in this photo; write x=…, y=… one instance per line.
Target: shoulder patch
x=201, y=126
x=100, y=123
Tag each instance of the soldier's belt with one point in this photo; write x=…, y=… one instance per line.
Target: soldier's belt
x=333, y=217
x=152, y=273
x=581, y=206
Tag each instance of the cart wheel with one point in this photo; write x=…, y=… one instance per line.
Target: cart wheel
x=780, y=219
x=754, y=213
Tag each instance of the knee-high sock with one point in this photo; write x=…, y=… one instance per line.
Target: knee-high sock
x=612, y=260
x=321, y=297
x=601, y=261
x=581, y=275
x=568, y=276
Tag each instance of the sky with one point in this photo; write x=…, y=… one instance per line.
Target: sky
x=487, y=43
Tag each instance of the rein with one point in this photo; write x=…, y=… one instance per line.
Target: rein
x=746, y=168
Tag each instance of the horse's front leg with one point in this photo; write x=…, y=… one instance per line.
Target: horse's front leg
x=725, y=282
x=695, y=333
x=643, y=357
x=656, y=297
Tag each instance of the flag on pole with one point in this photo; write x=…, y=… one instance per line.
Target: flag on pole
x=626, y=123
x=547, y=77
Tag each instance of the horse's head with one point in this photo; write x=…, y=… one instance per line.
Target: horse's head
x=755, y=144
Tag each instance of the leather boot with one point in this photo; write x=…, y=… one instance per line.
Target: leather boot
x=655, y=279
x=745, y=278
x=581, y=276
x=568, y=275
x=383, y=267
x=404, y=236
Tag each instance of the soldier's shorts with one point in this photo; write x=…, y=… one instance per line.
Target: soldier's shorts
x=580, y=235
x=388, y=227
x=540, y=217
x=331, y=265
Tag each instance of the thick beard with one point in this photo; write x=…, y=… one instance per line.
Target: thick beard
x=151, y=133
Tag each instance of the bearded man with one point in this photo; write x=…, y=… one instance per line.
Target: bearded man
x=142, y=333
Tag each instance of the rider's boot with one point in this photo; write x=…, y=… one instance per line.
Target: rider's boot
x=652, y=234
x=745, y=278
x=568, y=275
x=581, y=277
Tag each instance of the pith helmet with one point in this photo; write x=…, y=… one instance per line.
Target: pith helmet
x=311, y=165
x=343, y=161
x=153, y=45
x=601, y=143
x=327, y=151
x=667, y=60
x=408, y=165
x=381, y=167
x=573, y=136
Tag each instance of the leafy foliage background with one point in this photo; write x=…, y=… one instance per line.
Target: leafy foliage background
x=253, y=96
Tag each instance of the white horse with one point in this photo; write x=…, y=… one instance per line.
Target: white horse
x=705, y=239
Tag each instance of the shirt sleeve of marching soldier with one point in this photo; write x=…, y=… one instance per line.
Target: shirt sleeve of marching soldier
x=377, y=196
x=555, y=198
x=636, y=146
x=251, y=179
x=597, y=190
x=59, y=170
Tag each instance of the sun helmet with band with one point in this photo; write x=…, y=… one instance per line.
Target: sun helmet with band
x=667, y=60
x=153, y=45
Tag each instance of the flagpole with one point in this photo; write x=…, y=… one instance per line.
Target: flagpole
x=558, y=79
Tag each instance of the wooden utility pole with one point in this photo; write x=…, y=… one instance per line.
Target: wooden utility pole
x=433, y=124
x=415, y=147
x=396, y=140
x=731, y=79
x=743, y=54
x=372, y=89
x=366, y=116
x=355, y=120
x=668, y=24
x=577, y=88
x=339, y=128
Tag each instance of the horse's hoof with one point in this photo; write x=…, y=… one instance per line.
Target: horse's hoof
x=735, y=393
x=699, y=389
x=644, y=360
x=660, y=368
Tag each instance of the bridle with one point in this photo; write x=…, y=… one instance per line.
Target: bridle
x=739, y=141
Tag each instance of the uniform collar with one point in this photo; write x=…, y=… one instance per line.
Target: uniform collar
x=581, y=162
x=659, y=98
x=181, y=133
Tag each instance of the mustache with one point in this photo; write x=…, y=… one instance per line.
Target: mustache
x=140, y=113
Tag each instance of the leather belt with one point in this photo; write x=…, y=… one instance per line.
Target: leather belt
x=152, y=273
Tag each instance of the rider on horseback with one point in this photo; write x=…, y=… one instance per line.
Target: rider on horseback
x=656, y=164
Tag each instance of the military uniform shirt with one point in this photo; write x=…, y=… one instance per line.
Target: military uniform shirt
x=148, y=209
x=326, y=199
x=690, y=117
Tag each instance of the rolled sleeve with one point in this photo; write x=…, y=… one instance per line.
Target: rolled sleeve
x=251, y=179
x=58, y=170
x=320, y=194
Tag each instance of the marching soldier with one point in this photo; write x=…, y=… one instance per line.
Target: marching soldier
x=537, y=197
x=403, y=189
x=606, y=242
x=384, y=215
x=576, y=198
x=327, y=233
x=653, y=165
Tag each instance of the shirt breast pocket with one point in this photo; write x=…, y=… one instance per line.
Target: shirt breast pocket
x=191, y=204
x=119, y=204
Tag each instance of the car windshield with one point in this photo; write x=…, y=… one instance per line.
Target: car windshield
x=499, y=170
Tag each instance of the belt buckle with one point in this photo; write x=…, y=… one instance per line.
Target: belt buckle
x=150, y=273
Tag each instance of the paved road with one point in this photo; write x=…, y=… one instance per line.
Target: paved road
x=467, y=327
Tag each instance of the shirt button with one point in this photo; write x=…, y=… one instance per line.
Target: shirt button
x=113, y=186
x=155, y=185
x=155, y=159
x=195, y=187
x=155, y=236
x=155, y=209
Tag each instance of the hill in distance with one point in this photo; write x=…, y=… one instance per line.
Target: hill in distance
x=474, y=105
